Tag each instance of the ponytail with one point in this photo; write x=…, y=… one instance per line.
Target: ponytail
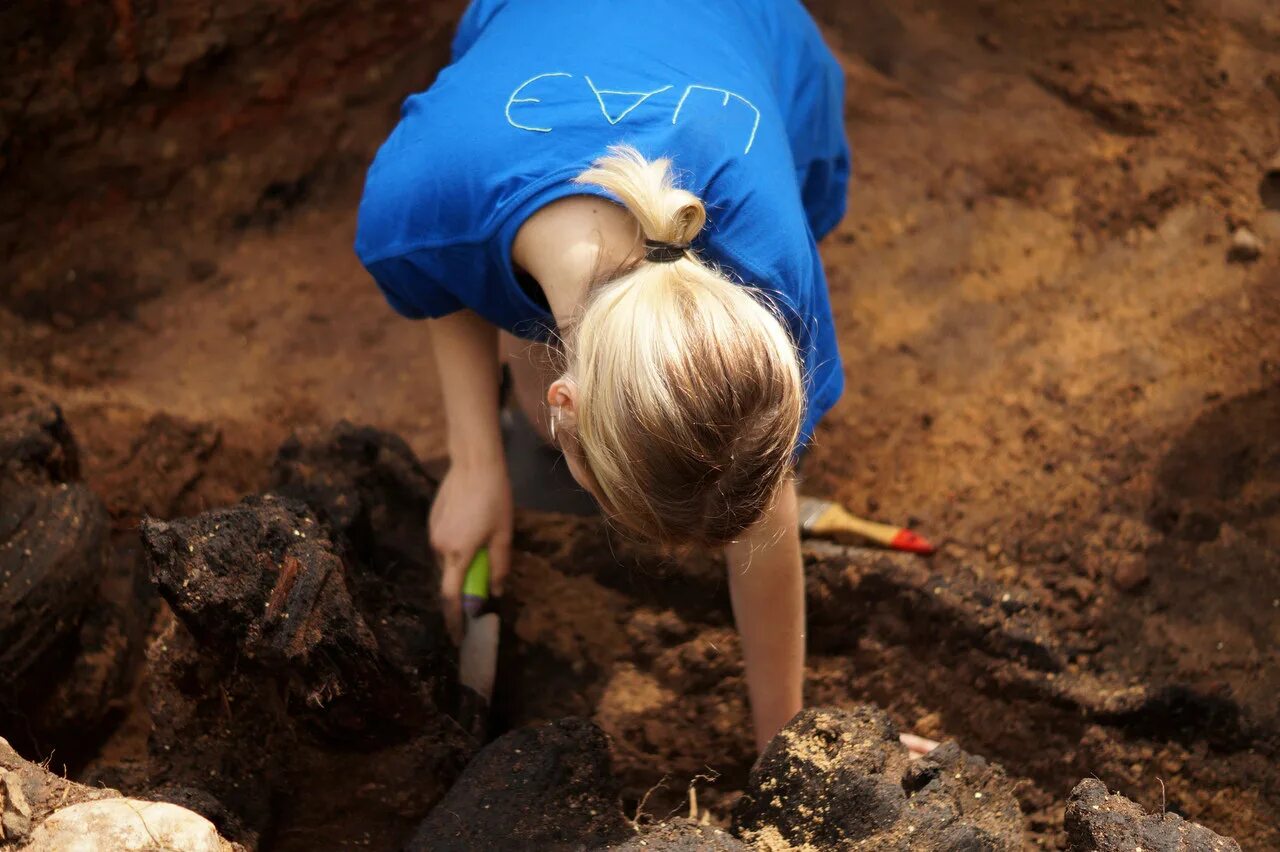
x=645, y=187
x=689, y=388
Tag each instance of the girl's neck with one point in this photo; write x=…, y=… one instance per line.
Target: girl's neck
x=569, y=243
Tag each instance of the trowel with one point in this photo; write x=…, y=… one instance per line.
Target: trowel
x=478, y=654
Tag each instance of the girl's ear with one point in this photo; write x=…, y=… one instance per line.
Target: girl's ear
x=563, y=394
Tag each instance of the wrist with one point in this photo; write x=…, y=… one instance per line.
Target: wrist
x=479, y=458
x=475, y=441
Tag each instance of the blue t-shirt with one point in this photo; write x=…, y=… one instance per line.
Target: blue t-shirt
x=741, y=95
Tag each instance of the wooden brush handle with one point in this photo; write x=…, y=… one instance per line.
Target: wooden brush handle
x=835, y=519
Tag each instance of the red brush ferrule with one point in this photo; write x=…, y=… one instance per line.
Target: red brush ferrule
x=912, y=543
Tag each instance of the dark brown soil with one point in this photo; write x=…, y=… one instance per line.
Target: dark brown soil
x=1057, y=368
x=541, y=787
x=838, y=779
x=1097, y=820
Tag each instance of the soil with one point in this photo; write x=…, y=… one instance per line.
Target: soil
x=838, y=779
x=1059, y=370
x=1098, y=820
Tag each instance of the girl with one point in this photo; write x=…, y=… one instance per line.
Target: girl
x=639, y=189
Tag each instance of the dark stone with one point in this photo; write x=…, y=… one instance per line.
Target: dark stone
x=833, y=779
x=262, y=581
x=92, y=693
x=963, y=800
x=1097, y=821
x=366, y=484
x=51, y=553
x=545, y=787
x=829, y=777
x=61, y=657
x=284, y=629
x=36, y=445
x=370, y=489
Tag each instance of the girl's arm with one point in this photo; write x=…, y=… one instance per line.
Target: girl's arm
x=473, y=507
x=766, y=585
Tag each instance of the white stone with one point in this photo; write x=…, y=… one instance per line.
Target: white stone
x=126, y=825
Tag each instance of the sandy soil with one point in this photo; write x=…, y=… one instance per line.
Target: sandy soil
x=1055, y=370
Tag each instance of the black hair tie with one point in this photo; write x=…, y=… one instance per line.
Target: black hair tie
x=656, y=251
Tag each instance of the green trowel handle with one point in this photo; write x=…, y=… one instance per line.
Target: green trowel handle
x=475, y=587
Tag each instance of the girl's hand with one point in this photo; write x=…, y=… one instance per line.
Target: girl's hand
x=473, y=506
x=473, y=509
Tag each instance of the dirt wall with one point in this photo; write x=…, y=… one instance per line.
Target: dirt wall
x=125, y=116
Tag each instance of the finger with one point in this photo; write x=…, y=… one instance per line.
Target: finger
x=452, y=609
x=917, y=746
x=451, y=594
x=499, y=563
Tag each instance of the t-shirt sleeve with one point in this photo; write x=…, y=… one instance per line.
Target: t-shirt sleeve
x=473, y=22
x=810, y=90
x=396, y=213
x=823, y=158
x=410, y=289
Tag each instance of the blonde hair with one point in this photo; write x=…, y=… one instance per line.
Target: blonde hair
x=690, y=394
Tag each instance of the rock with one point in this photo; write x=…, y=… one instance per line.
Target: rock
x=1129, y=571
x=542, y=787
x=54, y=640
x=368, y=487
x=29, y=792
x=51, y=553
x=364, y=483
x=262, y=581
x=15, y=810
x=682, y=835
x=208, y=756
x=52, y=535
x=962, y=800
x=42, y=811
x=125, y=825
x=295, y=630
x=1097, y=821
x=94, y=693
x=833, y=779
x=35, y=442
x=830, y=777
x=1245, y=246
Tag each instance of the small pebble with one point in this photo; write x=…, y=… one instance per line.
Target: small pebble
x=1130, y=572
x=1245, y=246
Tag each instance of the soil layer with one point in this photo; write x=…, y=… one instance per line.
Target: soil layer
x=1062, y=367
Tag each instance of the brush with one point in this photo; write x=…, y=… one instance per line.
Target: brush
x=827, y=518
